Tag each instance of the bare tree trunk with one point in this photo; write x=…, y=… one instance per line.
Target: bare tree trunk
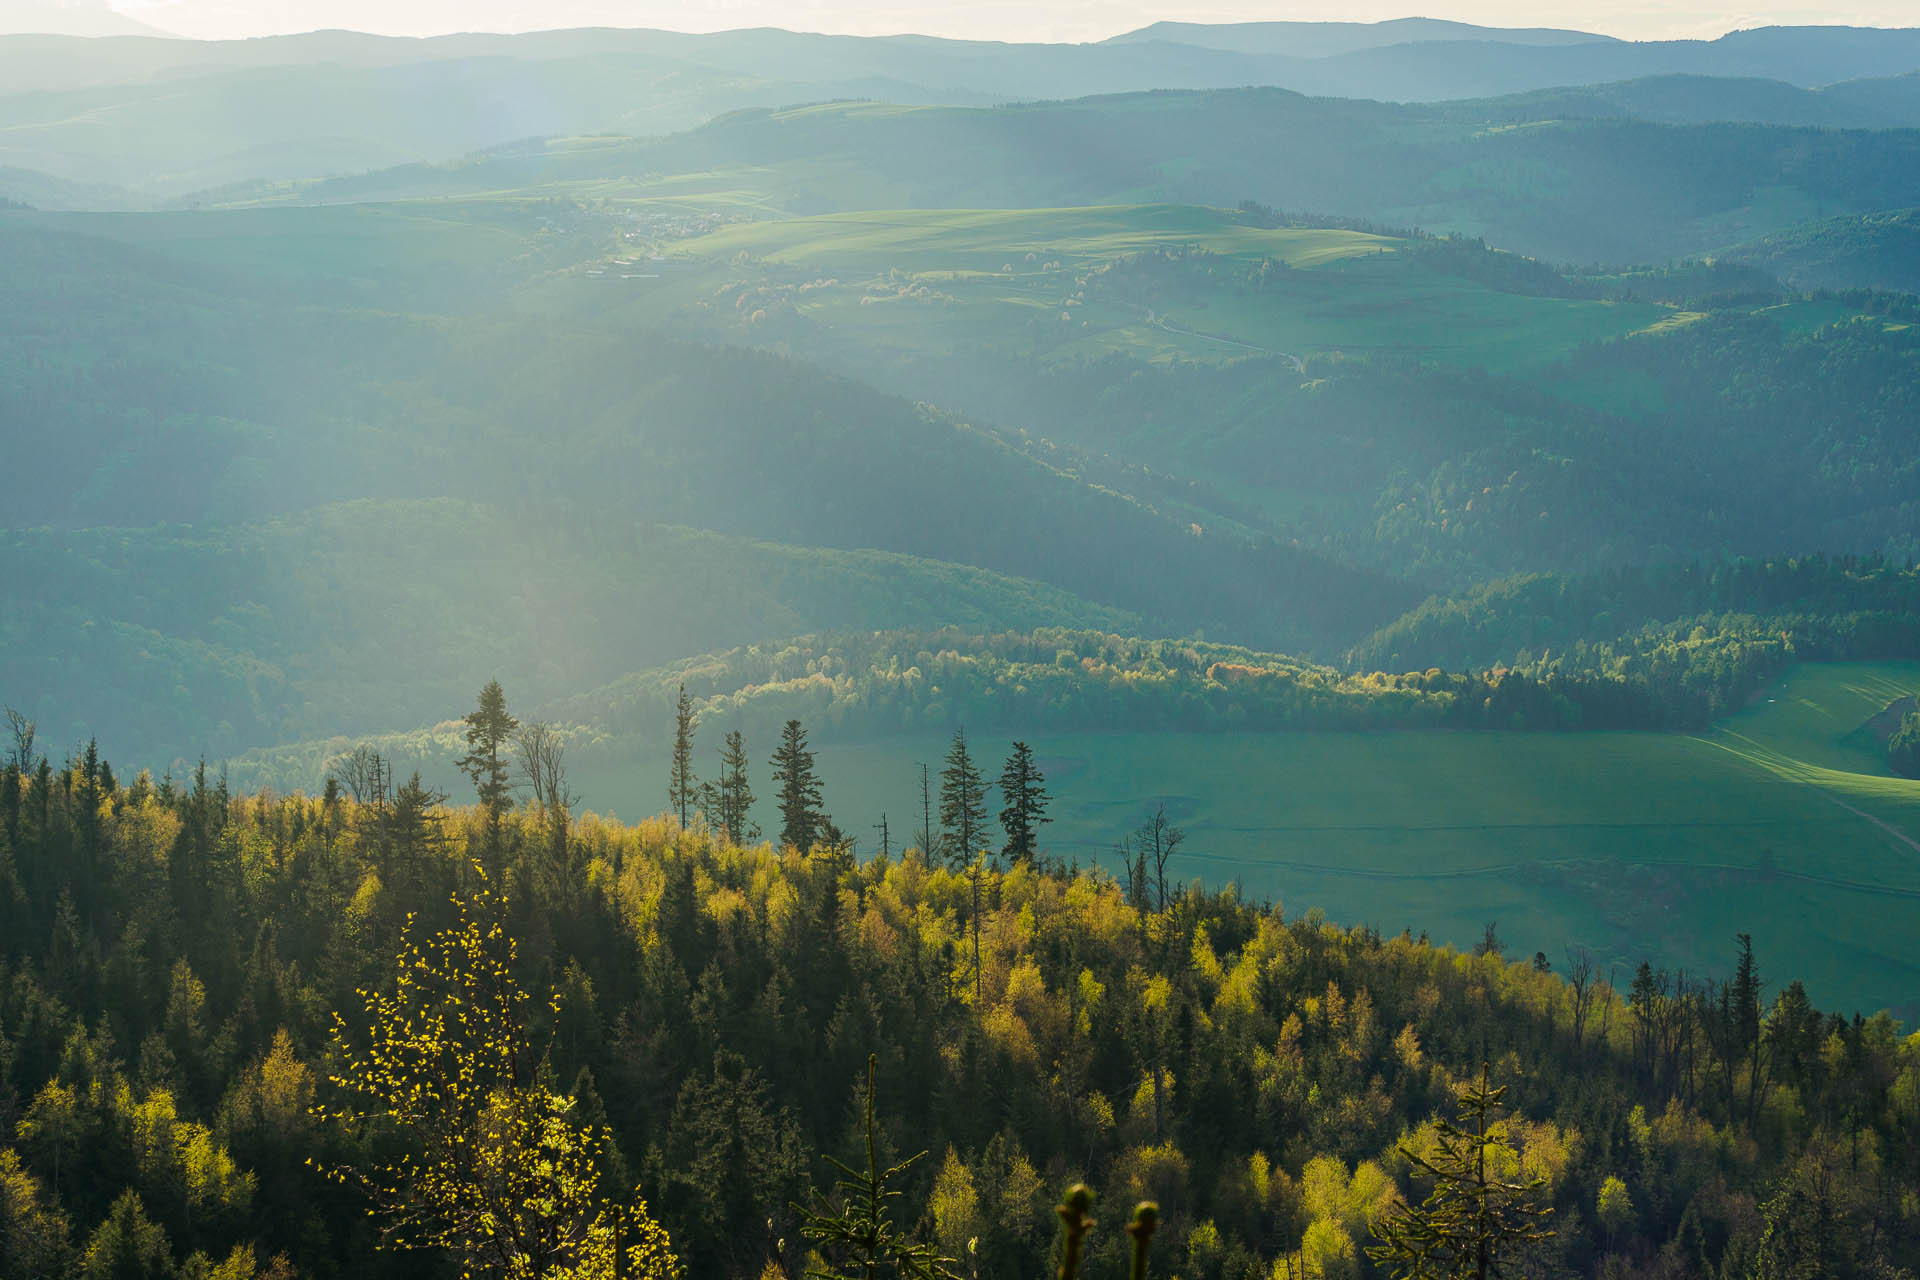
x=1580, y=978
x=542, y=758
x=977, y=975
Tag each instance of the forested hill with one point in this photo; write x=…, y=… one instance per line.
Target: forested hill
x=1838, y=252
x=1827, y=605
x=174, y=954
x=1623, y=191
x=210, y=641
x=1671, y=648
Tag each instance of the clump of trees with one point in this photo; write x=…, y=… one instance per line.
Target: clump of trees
x=1903, y=747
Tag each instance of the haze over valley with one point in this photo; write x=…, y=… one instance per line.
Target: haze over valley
x=1194, y=592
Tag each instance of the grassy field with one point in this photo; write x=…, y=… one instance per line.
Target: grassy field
x=926, y=280
x=1782, y=823
x=1021, y=241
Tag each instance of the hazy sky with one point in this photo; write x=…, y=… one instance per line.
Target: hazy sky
x=983, y=19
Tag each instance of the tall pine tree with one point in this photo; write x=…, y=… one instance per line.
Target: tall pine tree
x=1024, y=791
x=489, y=739
x=963, y=803
x=963, y=815
x=681, y=787
x=735, y=797
x=803, y=824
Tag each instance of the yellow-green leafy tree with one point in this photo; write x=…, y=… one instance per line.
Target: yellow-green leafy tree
x=33, y=1232
x=469, y=1149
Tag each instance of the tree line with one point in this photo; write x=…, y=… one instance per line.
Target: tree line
x=725, y=803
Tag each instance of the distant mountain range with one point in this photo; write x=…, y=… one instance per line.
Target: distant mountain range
x=1409, y=60
x=87, y=18
x=162, y=118
x=1330, y=39
x=1888, y=102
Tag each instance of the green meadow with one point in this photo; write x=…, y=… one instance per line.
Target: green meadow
x=1021, y=241
x=1630, y=844
x=928, y=279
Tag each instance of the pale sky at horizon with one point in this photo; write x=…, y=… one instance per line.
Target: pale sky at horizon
x=1014, y=20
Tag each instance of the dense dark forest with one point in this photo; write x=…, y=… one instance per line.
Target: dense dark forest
x=1698, y=640
x=175, y=955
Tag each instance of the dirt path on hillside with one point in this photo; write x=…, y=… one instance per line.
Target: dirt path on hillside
x=1885, y=826
x=1153, y=320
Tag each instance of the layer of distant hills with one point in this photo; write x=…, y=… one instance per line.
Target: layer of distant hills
x=158, y=118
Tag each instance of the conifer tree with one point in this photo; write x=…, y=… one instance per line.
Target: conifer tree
x=128, y=1245
x=802, y=822
x=734, y=798
x=861, y=1229
x=681, y=787
x=706, y=803
x=963, y=812
x=1474, y=1221
x=490, y=733
x=963, y=803
x=1024, y=792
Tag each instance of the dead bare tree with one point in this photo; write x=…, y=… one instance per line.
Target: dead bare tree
x=22, y=732
x=1158, y=840
x=364, y=774
x=1580, y=979
x=543, y=756
x=1607, y=998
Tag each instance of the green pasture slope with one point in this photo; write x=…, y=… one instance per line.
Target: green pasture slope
x=927, y=279
x=986, y=240
x=1782, y=823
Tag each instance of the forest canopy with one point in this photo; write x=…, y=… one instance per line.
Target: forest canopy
x=1275, y=1083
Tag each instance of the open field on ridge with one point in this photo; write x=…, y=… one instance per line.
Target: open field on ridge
x=1064, y=285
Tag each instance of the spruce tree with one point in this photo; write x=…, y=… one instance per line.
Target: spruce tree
x=963, y=812
x=681, y=787
x=963, y=803
x=859, y=1232
x=1474, y=1220
x=490, y=733
x=735, y=797
x=1023, y=789
x=802, y=823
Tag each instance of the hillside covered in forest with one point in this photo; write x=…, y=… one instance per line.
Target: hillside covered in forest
x=176, y=955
